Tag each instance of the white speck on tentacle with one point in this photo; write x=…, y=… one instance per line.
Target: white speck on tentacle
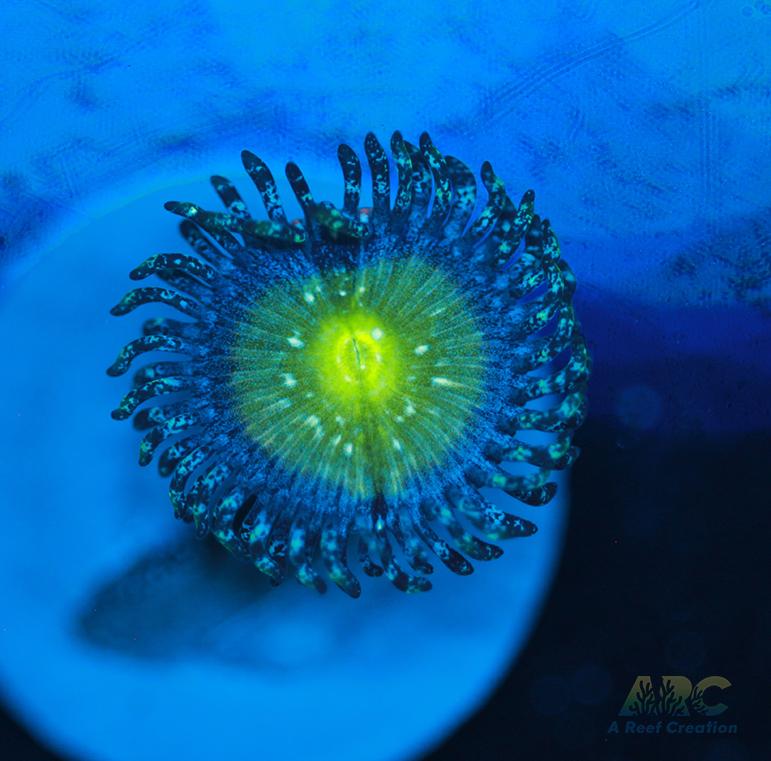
x=296, y=342
x=421, y=350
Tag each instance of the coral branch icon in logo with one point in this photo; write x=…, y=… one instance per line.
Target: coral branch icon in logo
x=678, y=700
x=672, y=696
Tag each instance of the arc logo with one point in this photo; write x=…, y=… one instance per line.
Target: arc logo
x=675, y=696
x=674, y=705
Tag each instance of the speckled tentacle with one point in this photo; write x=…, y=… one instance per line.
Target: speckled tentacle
x=403, y=200
x=441, y=177
x=266, y=186
x=496, y=201
x=227, y=517
x=256, y=532
x=473, y=546
x=495, y=523
x=167, y=296
x=464, y=197
x=160, y=263
x=183, y=471
x=381, y=185
x=421, y=185
x=304, y=538
x=201, y=496
x=450, y=557
x=554, y=456
x=333, y=552
x=349, y=162
x=149, y=390
x=146, y=344
x=401, y=579
x=230, y=197
x=170, y=426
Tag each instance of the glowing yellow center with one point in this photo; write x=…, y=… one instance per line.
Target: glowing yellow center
x=357, y=358
x=361, y=378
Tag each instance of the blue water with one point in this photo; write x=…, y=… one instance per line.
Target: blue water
x=645, y=130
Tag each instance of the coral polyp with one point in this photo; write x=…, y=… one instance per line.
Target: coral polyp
x=349, y=387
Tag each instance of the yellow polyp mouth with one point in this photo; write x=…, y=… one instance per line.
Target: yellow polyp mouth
x=357, y=359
